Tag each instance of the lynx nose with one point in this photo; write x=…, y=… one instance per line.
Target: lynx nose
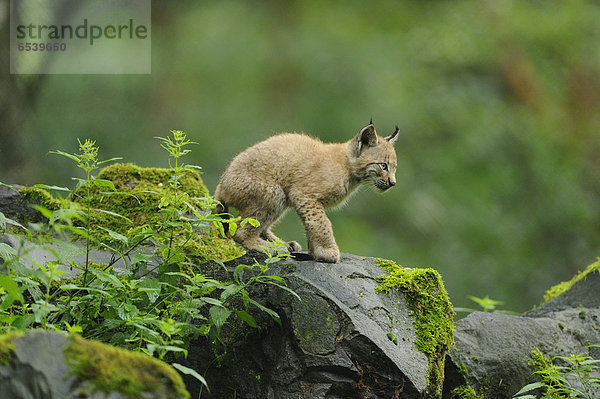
x=392, y=183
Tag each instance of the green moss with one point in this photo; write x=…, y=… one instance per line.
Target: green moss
x=129, y=177
x=38, y=196
x=462, y=369
x=466, y=392
x=392, y=337
x=137, y=198
x=7, y=347
x=35, y=195
x=111, y=369
x=434, y=327
x=566, y=285
x=539, y=361
x=549, y=374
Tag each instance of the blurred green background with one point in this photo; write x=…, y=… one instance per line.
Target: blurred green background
x=498, y=104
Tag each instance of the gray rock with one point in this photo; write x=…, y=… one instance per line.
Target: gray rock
x=37, y=369
x=583, y=294
x=34, y=369
x=333, y=344
x=495, y=349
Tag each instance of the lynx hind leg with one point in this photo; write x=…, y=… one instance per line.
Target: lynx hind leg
x=249, y=237
x=267, y=211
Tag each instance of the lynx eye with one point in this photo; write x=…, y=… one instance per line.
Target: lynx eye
x=384, y=166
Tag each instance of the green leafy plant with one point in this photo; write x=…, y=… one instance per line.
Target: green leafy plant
x=87, y=160
x=156, y=307
x=569, y=376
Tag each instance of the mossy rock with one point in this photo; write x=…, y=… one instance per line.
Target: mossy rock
x=110, y=369
x=39, y=196
x=45, y=364
x=7, y=347
x=142, y=190
x=356, y=332
x=496, y=349
x=434, y=316
x=565, y=286
x=133, y=208
x=16, y=203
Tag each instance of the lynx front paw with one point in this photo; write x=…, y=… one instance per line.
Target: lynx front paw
x=328, y=255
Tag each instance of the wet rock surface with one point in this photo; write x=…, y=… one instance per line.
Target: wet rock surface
x=333, y=343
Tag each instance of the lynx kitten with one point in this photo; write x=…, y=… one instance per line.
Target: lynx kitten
x=295, y=170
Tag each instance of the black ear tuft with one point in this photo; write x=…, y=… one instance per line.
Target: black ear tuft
x=392, y=138
x=371, y=121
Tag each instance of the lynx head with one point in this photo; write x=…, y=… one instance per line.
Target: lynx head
x=373, y=158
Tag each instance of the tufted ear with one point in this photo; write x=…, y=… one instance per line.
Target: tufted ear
x=367, y=137
x=394, y=136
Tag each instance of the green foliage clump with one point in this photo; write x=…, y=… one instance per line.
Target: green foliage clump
x=566, y=285
x=427, y=298
x=136, y=196
x=563, y=376
x=111, y=369
x=466, y=392
x=158, y=301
